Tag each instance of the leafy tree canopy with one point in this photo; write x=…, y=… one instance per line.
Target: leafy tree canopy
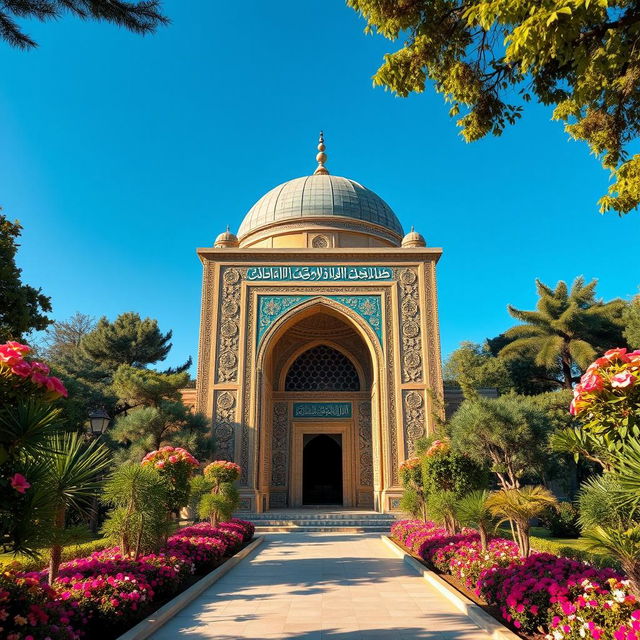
x=22, y=308
x=139, y=17
x=489, y=57
x=508, y=433
x=145, y=387
x=631, y=318
x=127, y=340
x=567, y=330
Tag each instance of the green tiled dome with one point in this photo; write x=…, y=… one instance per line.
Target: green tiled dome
x=318, y=196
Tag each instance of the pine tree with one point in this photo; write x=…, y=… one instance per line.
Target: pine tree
x=567, y=330
x=127, y=340
x=139, y=17
x=631, y=317
x=22, y=307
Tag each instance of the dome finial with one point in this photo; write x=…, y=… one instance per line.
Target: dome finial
x=321, y=170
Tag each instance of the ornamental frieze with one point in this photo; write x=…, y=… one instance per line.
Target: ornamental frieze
x=414, y=418
x=224, y=423
x=229, y=326
x=410, y=326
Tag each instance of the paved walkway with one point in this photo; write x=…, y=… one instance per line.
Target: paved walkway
x=314, y=586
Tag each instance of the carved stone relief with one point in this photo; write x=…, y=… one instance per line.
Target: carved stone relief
x=229, y=326
x=206, y=321
x=414, y=418
x=410, y=326
x=364, y=439
x=224, y=424
x=280, y=445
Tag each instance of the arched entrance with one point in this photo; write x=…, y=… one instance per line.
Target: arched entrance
x=322, y=470
x=317, y=439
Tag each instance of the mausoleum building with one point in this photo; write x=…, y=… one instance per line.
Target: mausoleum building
x=319, y=359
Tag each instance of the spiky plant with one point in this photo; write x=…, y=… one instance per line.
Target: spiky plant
x=519, y=506
x=139, y=520
x=442, y=507
x=73, y=470
x=567, y=329
x=472, y=511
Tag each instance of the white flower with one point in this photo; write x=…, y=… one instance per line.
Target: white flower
x=558, y=635
x=618, y=595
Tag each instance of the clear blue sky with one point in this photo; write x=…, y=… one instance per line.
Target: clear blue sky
x=121, y=154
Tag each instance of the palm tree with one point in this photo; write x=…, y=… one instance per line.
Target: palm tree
x=72, y=476
x=519, y=506
x=567, y=329
x=472, y=510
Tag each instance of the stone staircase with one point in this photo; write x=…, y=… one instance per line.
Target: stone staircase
x=327, y=521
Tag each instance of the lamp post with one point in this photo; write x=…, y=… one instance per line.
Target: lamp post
x=98, y=422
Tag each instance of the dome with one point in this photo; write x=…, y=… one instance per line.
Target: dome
x=226, y=239
x=413, y=239
x=320, y=196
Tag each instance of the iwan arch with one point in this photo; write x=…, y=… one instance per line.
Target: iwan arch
x=319, y=346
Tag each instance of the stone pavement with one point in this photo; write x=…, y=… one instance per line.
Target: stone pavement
x=314, y=586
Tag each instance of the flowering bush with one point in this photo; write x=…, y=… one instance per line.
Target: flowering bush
x=106, y=592
x=29, y=609
x=177, y=465
x=608, y=395
x=20, y=377
x=222, y=471
x=438, y=447
x=596, y=610
x=205, y=552
x=526, y=591
x=468, y=561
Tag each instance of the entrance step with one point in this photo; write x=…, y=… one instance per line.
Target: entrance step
x=322, y=521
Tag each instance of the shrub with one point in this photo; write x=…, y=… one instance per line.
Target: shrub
x=205, y=553
x=562, y=521
x=28, y=607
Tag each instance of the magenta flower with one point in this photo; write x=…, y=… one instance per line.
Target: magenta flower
x=623, y=379
x=19, y=483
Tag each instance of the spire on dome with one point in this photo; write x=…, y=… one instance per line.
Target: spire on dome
x=321, y=170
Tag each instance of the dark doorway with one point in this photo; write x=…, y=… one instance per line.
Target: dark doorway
x=322, y=469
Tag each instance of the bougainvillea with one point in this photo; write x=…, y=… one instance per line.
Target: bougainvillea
x=177, y=465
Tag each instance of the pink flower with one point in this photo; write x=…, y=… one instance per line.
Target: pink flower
x=39, y=379
x=16, y=346
x=617, y=354
x=55, y=385
x=21, y=368
x=19, y=483
x=41, y=367
x=622, y=380
x=173, y=459
x=591, y=382
x=160, y=464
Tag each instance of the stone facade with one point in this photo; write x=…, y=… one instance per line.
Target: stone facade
x=321, y=268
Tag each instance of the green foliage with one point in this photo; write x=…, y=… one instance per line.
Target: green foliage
x=631, y=320
x=452, y=472
x=140, y=17
x=127, y=340
x=22, y=308
x=472, y=511
x=562, y=521
x=472, y=366
x=519, y=506
x=599, y=503
x=508, y=434
x=488, y=58
x=219, y=507
x=442, y=508
x=147, y=387
x=595, y=559
x=567, y=329
x=139, y=521
x=72, y=480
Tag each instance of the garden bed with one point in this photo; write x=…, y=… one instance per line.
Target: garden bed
x=101, y=596
x=542, y=595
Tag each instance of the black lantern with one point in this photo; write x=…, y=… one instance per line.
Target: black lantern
x=98, y=422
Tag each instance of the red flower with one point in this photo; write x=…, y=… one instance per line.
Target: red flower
x=19, y=483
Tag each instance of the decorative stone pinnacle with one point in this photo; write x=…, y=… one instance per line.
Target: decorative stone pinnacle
x=321, y=170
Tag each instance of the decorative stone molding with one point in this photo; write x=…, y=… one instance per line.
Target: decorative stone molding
x=320, y=242
x=411, y=340
x=392, y=424
x=364, y=441
x=224, y=424
x=280, y=445
x=229, y=326
x=433, y=329
x=206, y=332
x=414, y=418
